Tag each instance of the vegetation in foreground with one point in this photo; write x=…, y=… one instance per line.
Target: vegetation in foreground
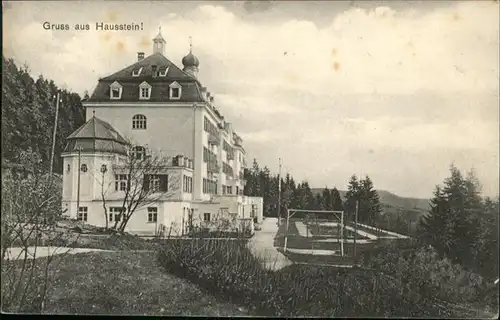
x=119, y=283
x=229, y=268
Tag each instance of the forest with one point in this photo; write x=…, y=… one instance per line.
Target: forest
x=28, y=115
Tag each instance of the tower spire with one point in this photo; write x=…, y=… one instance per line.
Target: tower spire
x=159, y=43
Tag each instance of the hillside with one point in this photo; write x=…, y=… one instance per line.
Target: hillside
x=390, y=200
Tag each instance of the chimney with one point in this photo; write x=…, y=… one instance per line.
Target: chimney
x=140, y=56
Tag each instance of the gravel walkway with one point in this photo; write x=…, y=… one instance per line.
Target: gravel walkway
x=18, y=253
x=262, y=245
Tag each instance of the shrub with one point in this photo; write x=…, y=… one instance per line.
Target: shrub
x=435, y=277
x=229, y=268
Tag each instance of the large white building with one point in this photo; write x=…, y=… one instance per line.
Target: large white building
x=155, y=106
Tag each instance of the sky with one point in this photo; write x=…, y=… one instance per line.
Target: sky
x=395, y=90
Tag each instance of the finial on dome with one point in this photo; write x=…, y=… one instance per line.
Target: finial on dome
x=190, y=44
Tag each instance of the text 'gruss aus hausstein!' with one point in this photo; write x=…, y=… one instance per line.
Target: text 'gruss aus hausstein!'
x=98, y=26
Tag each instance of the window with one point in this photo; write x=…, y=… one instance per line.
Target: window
x=152, y=214
x=68, y=168
x=163, y=72
x=82, y=213
x=209, y=155
x=144, y=91
x=209, y=186
x=115, y=91
x=138, y=152
x=175, y=91
x=115, y=214
x=121, y=182
x=155, y=182
x=137, y=72
x=206, y=217
x=229, y=190
x=227, y=169
x=139, y=121
x=188, y=184
x=84, y=168
x=237, y=190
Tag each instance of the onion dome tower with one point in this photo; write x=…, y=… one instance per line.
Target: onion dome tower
x=191, y=62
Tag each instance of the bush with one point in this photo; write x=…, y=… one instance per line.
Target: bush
x=435, y=276
x=229, y=268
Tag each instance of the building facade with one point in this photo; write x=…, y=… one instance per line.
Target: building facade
x=153, y=106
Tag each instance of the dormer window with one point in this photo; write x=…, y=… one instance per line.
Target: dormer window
x=144, y=91
x=137, y=72
x=175, y=91
x=163, y=72
x=154, y=70
x=115, y=91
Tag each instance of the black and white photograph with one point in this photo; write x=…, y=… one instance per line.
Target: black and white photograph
x=334, y=159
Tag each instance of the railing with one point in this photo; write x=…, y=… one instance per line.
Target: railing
x=213, y=139
x=213, y=167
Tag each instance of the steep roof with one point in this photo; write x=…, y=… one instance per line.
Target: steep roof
x=160, y=84
x=96, y=135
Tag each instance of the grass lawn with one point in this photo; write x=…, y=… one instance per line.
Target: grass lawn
x=125, y=283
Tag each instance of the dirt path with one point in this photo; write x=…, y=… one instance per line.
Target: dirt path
x=18, y=253
x=262, y=245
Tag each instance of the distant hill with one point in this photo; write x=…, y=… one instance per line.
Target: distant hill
x=392, y=203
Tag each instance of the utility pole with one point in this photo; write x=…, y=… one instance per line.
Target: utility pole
x=54, y=136
x=279, y=191
x=78, y=186
x=342, y=233
x=286, y=230
x=355, y=227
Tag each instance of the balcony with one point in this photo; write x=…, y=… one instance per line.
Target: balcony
x=213, y=139
x=230, y=156
x=213, y=167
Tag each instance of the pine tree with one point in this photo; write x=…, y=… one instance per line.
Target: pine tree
x=457, y=225
x=435, y=228
x=309, y=203
x=336, y=200
x=352, y=195
x=318, y=202
x=369, y=207
x=326, y=200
